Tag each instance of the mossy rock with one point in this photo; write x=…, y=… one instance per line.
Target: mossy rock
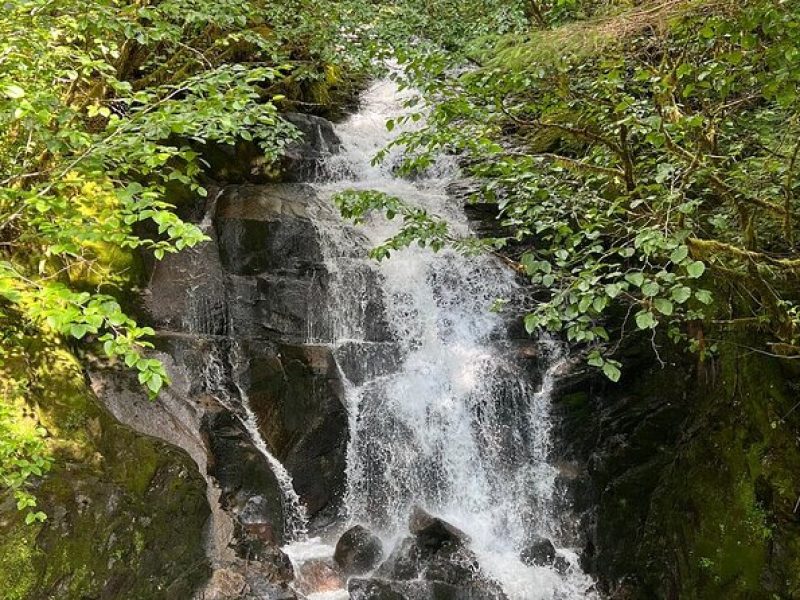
x=725, y=509
x=125, y=513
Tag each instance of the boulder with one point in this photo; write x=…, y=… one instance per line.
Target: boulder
x=436, y=551
x=358, y=551
x=538, y=551
x=433, y=533
x=303, y=160
x=317, y=576
x=382, y=589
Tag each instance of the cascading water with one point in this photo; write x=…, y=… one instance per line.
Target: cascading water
x=453, y=423
x=216, y=383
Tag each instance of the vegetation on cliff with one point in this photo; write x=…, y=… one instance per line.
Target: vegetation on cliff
x=106, y=110
x=644, y=157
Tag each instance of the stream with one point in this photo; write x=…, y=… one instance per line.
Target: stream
x=443, y=414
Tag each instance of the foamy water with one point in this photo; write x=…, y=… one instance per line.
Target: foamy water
x=457, y=426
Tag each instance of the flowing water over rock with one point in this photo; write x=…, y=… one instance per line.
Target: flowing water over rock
x=444, y=414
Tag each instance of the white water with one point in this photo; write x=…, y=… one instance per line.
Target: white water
x=295, y=516
x=457, y=426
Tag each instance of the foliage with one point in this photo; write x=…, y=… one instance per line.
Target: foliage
x=101, y=116
x=653, y=174
x=23, y=445
x=105, y=108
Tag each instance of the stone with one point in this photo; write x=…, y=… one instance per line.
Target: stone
x=433, y=533
x=538, y=551
x=250, y=490
x=303, y=160
x=383, y=589
x=436, y=551
x=358, y=551
x=245, y=582
x=318, y=576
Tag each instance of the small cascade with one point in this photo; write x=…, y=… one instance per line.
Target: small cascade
x=446, y=416
x=218, y=382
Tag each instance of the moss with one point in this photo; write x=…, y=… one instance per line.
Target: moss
x=126, y=513
x=724, y=509
x=18, y=576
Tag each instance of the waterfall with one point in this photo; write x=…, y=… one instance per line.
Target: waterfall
x=454, y=422
x=217, y=381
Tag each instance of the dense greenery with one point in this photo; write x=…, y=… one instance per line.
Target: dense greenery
x=643, y=159
x=106, y=108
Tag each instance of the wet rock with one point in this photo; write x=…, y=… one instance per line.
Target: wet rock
x=250, y=490
x=404, y=562
x=170, y=302
x=538, y=551
x=382, y=589
x=296, y=395
x=266, y=228
x=364, y=361
x=561, y=564
x=302, y=160
x=436, y=551
x=453, y=564
x=433, y=533
x=358, y=551
x=318, y=576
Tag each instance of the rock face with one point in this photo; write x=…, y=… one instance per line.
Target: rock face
x=670, y=461
x=538, y=552
x=262, y=279
x=233, y=318
x=432, y=563
x=358, y=551
x=126, y=513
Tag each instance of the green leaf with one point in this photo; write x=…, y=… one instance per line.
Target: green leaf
x=78, y=330
x=663, y=306
x=13, y=92
x=704, y=296
x=599, y=304
x=681, y=294
x=636, y=279
x=532, y=322
x=612, y=371
x=155, y=383
x=613, y=290
x=595, y=359
x=679, y=254
x=645, y=320
x=696, y=269
x=650, y=289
